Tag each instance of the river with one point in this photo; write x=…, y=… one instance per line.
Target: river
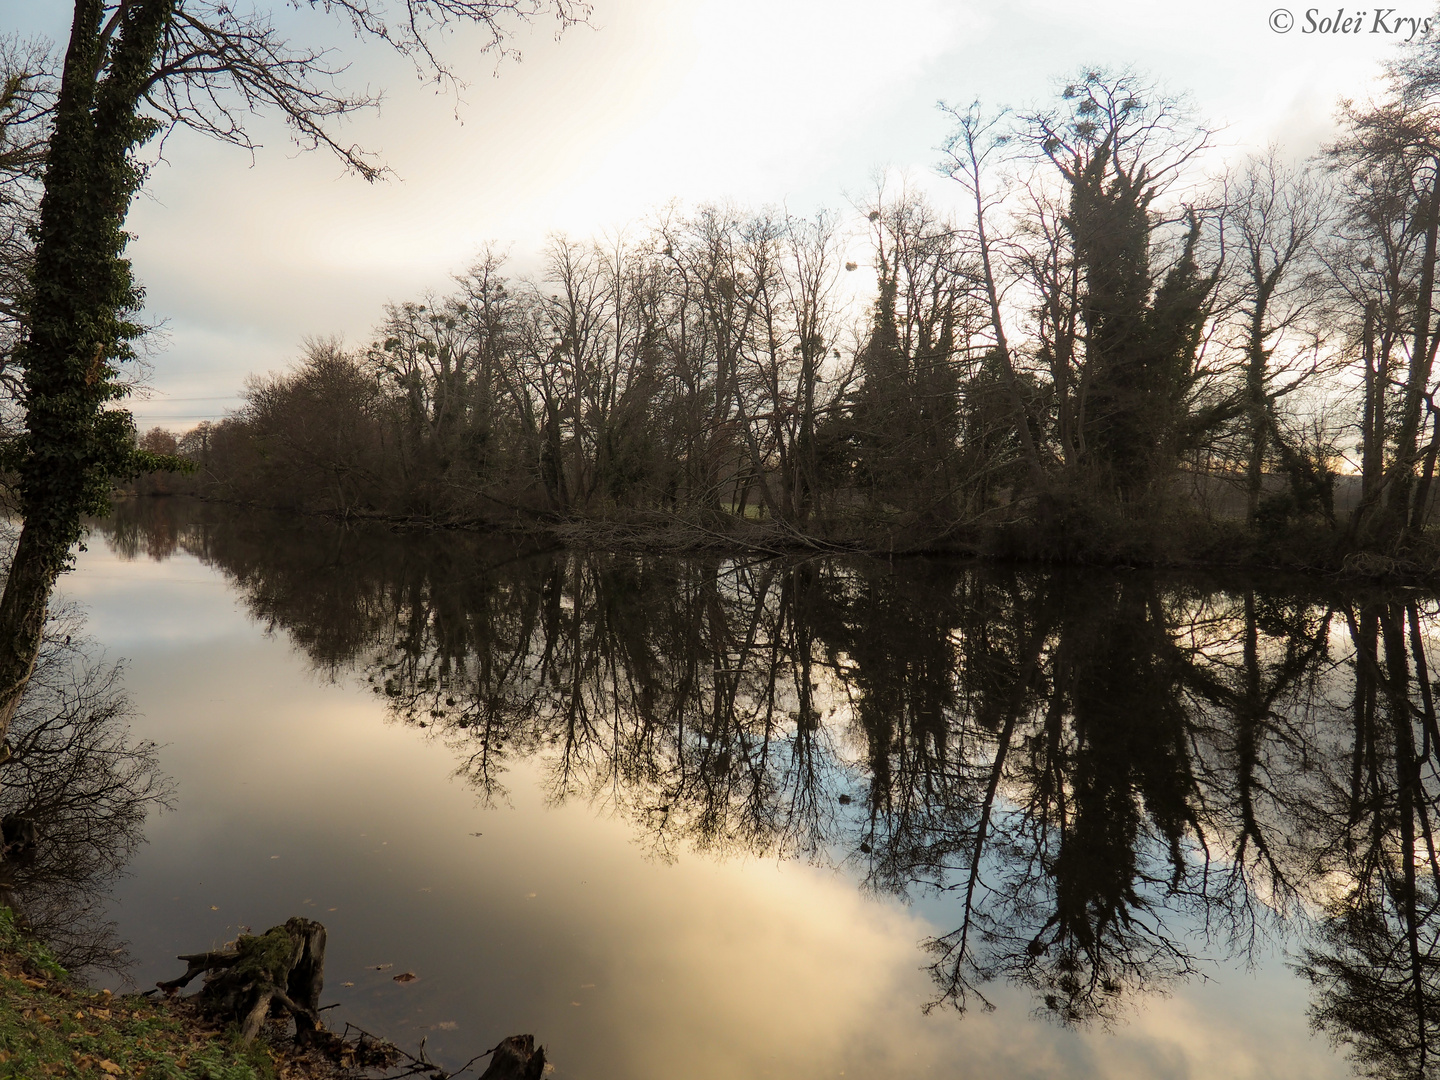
x=720, y=818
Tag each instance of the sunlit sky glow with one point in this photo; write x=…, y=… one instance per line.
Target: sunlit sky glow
x=763, y=102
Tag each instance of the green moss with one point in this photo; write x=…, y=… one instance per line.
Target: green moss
x=266, y=957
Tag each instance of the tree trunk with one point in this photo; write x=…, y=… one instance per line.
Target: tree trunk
x=1257, y=408
x=1395, y=522
x=22, y=617
x=77, y=317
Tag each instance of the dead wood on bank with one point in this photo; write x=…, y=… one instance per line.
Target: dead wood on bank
x=282, y=971
x=281, y=968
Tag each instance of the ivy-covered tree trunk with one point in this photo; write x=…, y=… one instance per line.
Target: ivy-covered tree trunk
x=78, y=317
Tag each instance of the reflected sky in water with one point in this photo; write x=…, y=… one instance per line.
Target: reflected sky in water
x=557, y=895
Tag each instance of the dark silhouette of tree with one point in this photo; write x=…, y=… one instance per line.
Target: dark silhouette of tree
x=1118, y=145
x=906, y=410
x=1276, y=216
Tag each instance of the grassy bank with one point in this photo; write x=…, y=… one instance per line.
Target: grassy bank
x=51, y=1026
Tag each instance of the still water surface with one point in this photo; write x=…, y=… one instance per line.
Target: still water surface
x=737, y=818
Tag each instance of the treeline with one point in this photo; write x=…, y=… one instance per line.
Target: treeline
x=1106, y=345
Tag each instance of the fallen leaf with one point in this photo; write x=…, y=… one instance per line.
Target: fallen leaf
x=406, y=977
x=108, y=1066
x=347, y=984
x=381, y=967
x=214, y=908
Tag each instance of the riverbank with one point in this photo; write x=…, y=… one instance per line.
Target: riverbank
x=1187, y=542
x=52, y=1026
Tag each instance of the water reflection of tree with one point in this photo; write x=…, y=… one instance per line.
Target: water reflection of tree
x=1062, y=811
x=681, y=694
x=1114, y=776
x=86, y=785
x=1375, y=960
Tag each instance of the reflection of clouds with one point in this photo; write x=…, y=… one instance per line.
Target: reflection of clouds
x=1208, y=1032
x=129, y=602
x=923, y=664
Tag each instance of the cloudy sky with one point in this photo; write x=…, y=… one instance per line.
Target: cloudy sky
x=763, y=102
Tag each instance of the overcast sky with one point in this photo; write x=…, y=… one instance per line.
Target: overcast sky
x=762, y=102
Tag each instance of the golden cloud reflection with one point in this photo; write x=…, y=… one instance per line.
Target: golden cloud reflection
x=709, y=812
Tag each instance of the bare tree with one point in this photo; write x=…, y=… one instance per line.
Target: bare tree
x=28, y=83
x=1388, y=162
x=1276, y=217
x=969, y=149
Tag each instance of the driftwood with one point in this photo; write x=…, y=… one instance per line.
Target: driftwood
x=283, y=968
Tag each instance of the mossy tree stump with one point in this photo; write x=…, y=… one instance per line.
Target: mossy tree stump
x=281, y=968
x=284, y=969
